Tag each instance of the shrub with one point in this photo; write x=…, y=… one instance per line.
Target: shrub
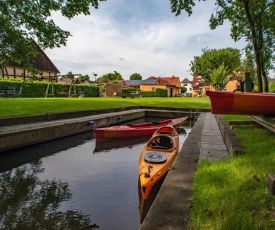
x=130, y=90
x=161, y=92
x=157, y=93
x=272, y=87
x=38, y=88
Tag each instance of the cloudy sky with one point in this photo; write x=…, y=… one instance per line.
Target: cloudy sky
x=138, y=36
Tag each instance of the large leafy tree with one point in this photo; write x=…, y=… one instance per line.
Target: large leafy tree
x=25, y=20
x=110, y=77
x=252, y=20
x=135, y=76
x=83, y=78
x=212, y=59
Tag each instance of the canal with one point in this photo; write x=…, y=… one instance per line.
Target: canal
x=73, y=183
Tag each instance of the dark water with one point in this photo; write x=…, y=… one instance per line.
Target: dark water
x=72, y=183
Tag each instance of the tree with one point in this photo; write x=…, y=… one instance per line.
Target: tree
x=252, y=20
x=83, y=78
x=248, y=65
x=212, y=59
x=110, y=77
x=219, y=77
x=183, y=89
x=24, y=20
x=135, y=76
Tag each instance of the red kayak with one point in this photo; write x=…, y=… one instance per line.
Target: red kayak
x=133, y=130
x=242, y=103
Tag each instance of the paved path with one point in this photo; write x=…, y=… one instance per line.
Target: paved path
x=212, y=144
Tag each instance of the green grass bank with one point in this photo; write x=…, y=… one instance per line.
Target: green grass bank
x=11, y=107
x=233, y=194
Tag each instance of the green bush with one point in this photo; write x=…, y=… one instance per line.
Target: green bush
x=149, y=94
x=162, y=92
x=157, y=93
x=38, y=88
x=130, y=90
x=272, y=87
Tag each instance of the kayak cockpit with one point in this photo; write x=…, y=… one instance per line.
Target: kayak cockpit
x=161, y=142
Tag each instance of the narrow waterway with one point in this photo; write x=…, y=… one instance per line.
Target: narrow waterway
x=73, y=183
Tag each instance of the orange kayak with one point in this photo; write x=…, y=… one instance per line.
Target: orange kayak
x=157, y=158
x=244, y=103
x=135, y=130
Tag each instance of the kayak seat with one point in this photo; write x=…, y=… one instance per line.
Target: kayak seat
x=161, y=142
x=158, y=147
x=165, y=142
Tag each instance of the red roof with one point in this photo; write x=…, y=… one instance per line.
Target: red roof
x=197, y=80
x=172, y=80
x=165, y=80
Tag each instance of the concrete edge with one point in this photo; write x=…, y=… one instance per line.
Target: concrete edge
x=263, y=122
x=75, y=114
x=233, y=144
x=21, y=135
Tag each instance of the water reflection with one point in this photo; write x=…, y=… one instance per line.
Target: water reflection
x=30, y=203
x=15, y=158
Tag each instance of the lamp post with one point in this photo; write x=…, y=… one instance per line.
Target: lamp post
x=95, y=75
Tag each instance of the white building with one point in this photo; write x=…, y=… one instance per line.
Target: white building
x=188, y=85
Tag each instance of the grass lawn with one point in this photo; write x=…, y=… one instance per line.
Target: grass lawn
x=233, y=194
x=11, y=107
x=235, y=117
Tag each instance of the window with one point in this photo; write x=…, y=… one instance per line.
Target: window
x=184, y=84
x=153, y=88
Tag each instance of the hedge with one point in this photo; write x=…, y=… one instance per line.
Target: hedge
x=130, y=90
x=38, y=88
x=157, y=93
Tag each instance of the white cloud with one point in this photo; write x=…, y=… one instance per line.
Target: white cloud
x=146, y=39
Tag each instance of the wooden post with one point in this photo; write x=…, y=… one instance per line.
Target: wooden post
x=50, y=82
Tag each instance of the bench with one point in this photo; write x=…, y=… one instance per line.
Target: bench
x=132, y=95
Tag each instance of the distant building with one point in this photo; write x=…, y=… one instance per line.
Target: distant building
x=200, y=87
x=41, y=62
x=188, y=85
x=171, y=84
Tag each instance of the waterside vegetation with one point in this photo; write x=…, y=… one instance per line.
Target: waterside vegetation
x=233, y=193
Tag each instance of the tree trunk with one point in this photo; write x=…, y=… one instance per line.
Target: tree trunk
x=265, y=80
x=255, y=45
x=6, y=70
